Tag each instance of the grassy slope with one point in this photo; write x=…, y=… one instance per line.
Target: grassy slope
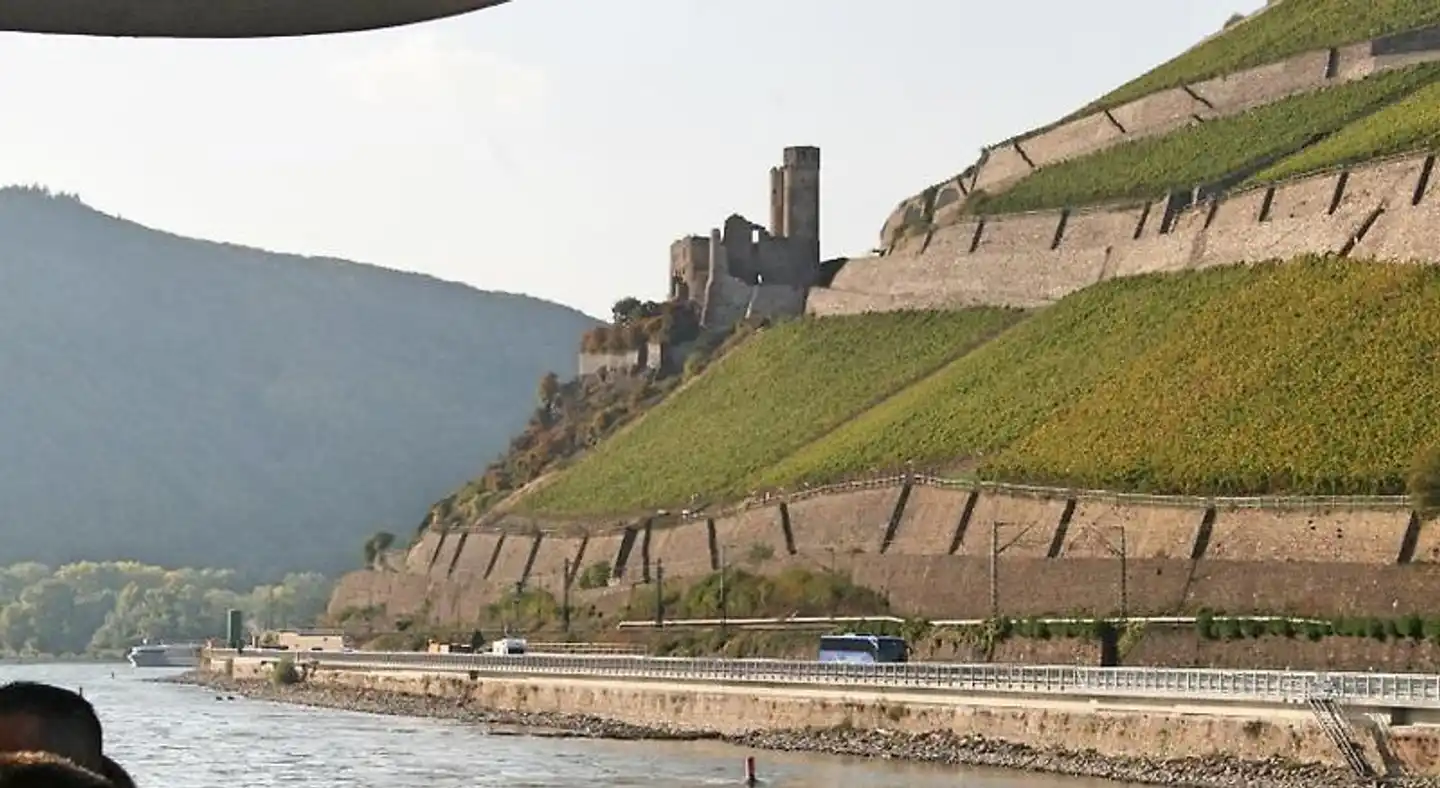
x=1204, y=152
x=1410, y=125
x=1288, y=29
x=1309, y=376
x=778, y=391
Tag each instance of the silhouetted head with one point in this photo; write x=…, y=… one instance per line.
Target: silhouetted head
x=43, y=718
x=45, y=770
x=115, y=774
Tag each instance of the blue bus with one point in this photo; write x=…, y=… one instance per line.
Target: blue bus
x=863, y=648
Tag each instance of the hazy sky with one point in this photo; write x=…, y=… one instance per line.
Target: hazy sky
x=557, y=147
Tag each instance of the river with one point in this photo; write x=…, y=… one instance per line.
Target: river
x=175, y=736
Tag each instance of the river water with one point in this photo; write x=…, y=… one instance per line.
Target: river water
x=172, y=736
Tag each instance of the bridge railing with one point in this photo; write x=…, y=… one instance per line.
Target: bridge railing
x=1366, y=689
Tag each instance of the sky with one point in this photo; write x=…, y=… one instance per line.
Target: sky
x=557, y=147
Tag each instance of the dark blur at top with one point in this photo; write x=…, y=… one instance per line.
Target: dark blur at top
x=223, y=18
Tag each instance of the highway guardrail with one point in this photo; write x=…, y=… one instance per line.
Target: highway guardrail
x=1394, y=690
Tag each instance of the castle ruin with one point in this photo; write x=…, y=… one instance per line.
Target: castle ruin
x=747, y=271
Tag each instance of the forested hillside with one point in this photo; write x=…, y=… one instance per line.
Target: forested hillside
x=189, y=403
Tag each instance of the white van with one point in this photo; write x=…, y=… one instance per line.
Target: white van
x=508, y=647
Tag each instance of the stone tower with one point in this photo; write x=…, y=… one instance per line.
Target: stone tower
x=795, y=197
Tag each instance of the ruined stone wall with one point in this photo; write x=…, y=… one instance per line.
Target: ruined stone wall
x=775, y=301
x=1383, y=210
x=689, y=267
x=647, y=357
x=1161, y=113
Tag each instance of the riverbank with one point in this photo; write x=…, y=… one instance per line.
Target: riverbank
x=937, y=746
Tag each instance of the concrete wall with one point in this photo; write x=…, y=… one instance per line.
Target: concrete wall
x=1165, y=111
x=1132, y=728
x=1030, y=260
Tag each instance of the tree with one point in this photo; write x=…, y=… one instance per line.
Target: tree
x=376, y=546
x=1424, y=481
x=625, y=310
x=548, y=393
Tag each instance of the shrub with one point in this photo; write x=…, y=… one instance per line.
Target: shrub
x=1409, y=125
x=596, y=575
x=1205, y=625
x=1230, y=629
x=1283, y=30
x=1253, y=628
x=1423, y=482
x=759, y=553
x=768, y=397
x=793, y=591
x=1204, y=152
x=285, y=673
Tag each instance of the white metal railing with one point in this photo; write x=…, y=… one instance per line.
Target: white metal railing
x=812, y=622
x=1365, y=689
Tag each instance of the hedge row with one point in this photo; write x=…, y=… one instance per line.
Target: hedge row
x=1288, y=28
x=780, y=390
x=1204, y=152
x=1412, y=627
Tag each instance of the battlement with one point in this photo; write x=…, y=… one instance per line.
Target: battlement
x=802, y=156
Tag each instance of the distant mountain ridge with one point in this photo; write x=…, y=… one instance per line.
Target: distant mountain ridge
x=185, y=402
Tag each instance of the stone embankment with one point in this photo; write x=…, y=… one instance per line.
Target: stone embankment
x=930, y=747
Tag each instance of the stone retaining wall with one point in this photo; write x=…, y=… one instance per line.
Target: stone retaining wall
x=1154, y=115
x=1384, y=210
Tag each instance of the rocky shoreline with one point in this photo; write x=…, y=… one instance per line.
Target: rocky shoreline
x=934, y=747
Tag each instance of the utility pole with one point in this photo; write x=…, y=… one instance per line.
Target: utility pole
x=994, y=571
x=723, y=600
x=995, y=550
x=659, y=595
x=565, y=597
x=515, y=607
x=1124, y=577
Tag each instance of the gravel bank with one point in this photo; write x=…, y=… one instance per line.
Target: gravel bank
x=933, y=747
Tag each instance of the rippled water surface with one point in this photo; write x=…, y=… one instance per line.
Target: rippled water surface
x=183, y=737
